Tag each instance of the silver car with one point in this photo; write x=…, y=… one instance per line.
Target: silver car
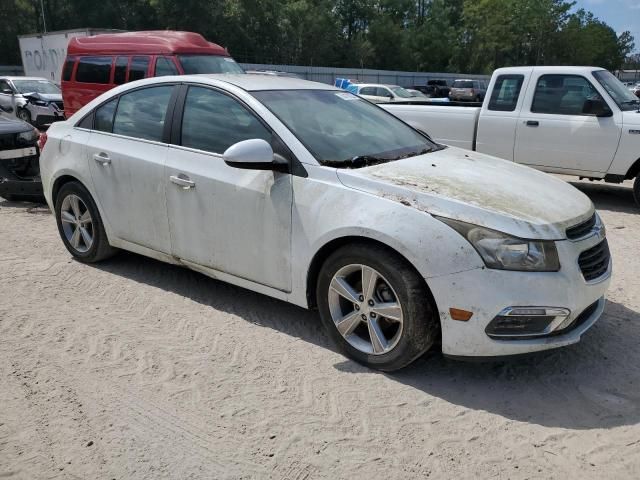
x=37, y=101
x=468, y=90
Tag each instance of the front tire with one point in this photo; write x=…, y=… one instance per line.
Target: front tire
x=80, y=225
x=376, y=307
x=636, y=190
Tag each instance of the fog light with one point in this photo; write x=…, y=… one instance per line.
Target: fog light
x=526, y=322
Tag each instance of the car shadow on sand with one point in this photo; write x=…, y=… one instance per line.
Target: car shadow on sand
x=593, y=384
x=605, y=196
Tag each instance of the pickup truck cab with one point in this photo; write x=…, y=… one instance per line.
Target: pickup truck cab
x=572, y=120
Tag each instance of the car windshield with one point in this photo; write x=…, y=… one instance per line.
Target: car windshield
x=192, y=64
x=624, y=98
x=401, y=92
x=344, y=130
x=37, y=86
x=462, y=84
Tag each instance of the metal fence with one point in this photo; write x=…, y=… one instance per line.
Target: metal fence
x=329, y=74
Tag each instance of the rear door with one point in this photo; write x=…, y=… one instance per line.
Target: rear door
x=228, y=219
x=126, y=153
x=556, y=134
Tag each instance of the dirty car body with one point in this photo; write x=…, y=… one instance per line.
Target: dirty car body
x=521, y=253
x=19, y=165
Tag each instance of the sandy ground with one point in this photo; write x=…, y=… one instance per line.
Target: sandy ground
x=133, y=369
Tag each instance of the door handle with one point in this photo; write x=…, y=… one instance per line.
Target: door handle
x=183, y=181
x=102, y=158
x=532, y=123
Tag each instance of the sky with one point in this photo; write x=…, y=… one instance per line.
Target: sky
x=621, y=15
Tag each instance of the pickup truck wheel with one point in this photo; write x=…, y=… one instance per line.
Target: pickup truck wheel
x=636, y=190
x=80, y=225
x=376, y=307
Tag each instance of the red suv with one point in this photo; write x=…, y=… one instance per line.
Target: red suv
x=98, y=63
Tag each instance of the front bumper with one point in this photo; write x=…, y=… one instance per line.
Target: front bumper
x=12, y=183
x=487, y=292
x=41, y=116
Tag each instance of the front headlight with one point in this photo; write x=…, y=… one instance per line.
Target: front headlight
x=504, y=252
x=40, y=103
x=28, y=137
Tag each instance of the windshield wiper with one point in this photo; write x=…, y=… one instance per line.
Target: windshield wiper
x=360, y=161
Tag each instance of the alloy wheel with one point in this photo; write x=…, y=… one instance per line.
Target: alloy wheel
x=77, y=223
x=365, y=309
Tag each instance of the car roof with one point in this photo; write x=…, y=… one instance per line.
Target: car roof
x=377, y=85
x=252, y=83
x=147, y=42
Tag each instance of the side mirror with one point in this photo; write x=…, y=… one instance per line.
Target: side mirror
x=254, y=154
x=597, y=107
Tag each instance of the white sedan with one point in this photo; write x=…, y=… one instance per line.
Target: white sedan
x=312, y=195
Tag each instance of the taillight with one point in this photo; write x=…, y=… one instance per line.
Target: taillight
x=42, y=139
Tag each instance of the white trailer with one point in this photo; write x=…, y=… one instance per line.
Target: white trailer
x=43, y=54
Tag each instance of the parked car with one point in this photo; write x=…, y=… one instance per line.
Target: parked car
x=19, y=168
x=416, y=93
x=636, y=90
x=98, y=63
x=397, y=240
x=468, y=91
x=33, y=100
x=378, y=93
x=573, y=120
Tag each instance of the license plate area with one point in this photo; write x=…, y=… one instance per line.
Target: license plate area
x=17, y=153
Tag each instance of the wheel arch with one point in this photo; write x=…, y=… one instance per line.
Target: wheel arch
x=633, y=171
x=331, y=246
x=60, y=182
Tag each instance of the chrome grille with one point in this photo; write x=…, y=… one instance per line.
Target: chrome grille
x=595, y=261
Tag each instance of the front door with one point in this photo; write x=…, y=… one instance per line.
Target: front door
x=556, y=133
x=227, y=219
x=126, y=156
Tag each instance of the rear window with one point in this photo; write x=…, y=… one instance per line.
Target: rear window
x=506, y=92
x=93, y=70
x=138, y=68
x=192, y=64
x=463, y=84
x=68, y=69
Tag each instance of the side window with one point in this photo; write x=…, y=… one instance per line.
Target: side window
x=67, y=70
x=141, y=113
x=138, y=69
x=104, y=116
x=4, y=86
x=213, y=121
x=563, y=95
x=506, y=92
x=93, y=70
x=120, y=70
x=164, y=66
x=382, y=92
x=86, y=122
x=368, y=91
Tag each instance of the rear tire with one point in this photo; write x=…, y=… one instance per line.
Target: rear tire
x=387, y=329
x=80, y=225
x=636, y=190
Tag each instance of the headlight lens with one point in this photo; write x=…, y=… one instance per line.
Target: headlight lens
x=30, y=136
x=504, y=252
x=40, y=103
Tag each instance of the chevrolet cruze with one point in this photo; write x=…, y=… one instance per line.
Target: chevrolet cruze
x=312, y=195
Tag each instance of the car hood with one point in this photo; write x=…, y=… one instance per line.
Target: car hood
x=49, y=97
x=13, y=125
x=479, y=189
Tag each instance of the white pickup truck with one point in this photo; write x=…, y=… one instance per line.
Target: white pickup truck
x=573, y=120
